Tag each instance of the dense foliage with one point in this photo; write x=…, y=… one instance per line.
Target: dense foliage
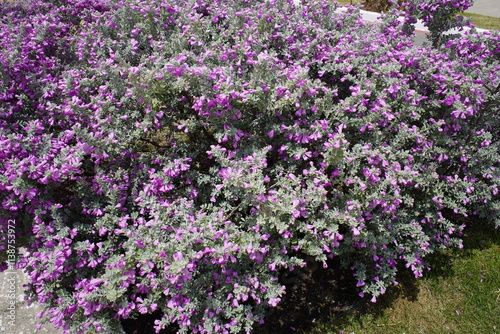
x=176, y=156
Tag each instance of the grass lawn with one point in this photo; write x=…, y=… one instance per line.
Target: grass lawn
x=483, y=21
x=461, y=295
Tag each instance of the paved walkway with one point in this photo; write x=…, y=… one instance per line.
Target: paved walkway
x=16, y=317
x=486, y=7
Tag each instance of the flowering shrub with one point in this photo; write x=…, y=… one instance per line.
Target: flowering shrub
x=439, y=16
x=175, y=157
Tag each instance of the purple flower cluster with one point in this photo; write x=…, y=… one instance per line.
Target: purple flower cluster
x=179, y=156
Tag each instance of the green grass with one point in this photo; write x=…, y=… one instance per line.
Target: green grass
x=483, y=21
x=461, y=295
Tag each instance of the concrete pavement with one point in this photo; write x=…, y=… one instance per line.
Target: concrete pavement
x=486, y=7
x=16, y=317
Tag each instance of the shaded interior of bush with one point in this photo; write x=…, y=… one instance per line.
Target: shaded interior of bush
x=313, y=294
x=144, y=324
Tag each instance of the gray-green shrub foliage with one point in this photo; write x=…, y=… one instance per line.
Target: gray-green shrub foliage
x=178, y=156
